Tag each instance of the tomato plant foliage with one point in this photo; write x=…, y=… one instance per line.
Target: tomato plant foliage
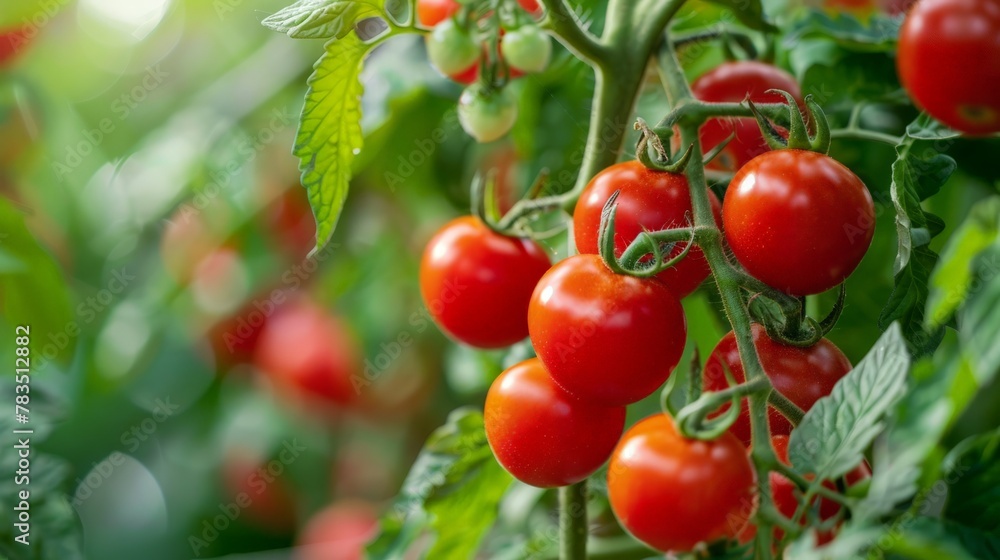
x=919, y=319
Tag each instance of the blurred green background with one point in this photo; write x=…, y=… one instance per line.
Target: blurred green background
x=151, y=209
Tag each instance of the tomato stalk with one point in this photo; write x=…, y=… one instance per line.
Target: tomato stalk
x=763, y=454
x=573, y=521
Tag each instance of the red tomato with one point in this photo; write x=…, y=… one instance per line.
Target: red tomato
x=606, y=338
x=339, y=532
x=530, y=6
x=672, y=493
x=289, y=220
x=541, y=434
x=798, y=221
x=786, y=496
x=271, y=506
x=234, y=339
x=477, y=283
x=734, y=82
x=648, y=201
x=803, y=375
x=309, y=353
x=13, y=42
x=949, y=62
x=433, y=12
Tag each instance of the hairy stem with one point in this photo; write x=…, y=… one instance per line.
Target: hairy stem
x=729, y=287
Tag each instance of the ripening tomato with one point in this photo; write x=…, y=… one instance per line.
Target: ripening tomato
x=309, y=353
x=527, y=49
x=798, y=221
x=477, y=283
x=647, y=201
x=271, y=506
x=339, y=532
x=452, y=49
x=734, y=82
x=607, y=338
x=13, y=42
x=672, y=493
x=803, y=375
x=234, y=338
x=949, y=62
x=433, y=12
x=188, y=238
x=487, y=113
x=786, y=496
x=541, y=434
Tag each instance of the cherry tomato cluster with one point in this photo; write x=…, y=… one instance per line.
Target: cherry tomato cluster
x=604, y=340
x=460, y=46
x=949, y=62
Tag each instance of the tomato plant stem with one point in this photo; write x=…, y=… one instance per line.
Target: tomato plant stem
x=573, y=521
x=562, y=21
x=763, y=454
x=862, y=134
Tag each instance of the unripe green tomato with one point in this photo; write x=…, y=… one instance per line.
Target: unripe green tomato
x=452, y=49
x=487, y=114
x=527, y=49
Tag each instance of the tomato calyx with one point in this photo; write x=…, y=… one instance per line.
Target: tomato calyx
x=784, y=319
x=660, y=160
x=657, y=244
x=694, y=418
x=798, y=133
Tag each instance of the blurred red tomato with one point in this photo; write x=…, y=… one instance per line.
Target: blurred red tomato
x=188, y=238
x=289, y=221
x=13, y=42
x=310, y=355
x=234, y=338
x=338, y=532
x=220, y=282
x=246, y=479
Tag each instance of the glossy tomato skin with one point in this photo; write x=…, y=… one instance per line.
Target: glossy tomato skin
x=271, y=502
x=803, y=375
x=433, y=12
x=541, y=434
x=648, y=201
x=310, y=354
x=477, y=283
x=786, y=496
x=797, y=220
x=606, y=338
x=949, y=62
x=734, y=82
x=672, y=493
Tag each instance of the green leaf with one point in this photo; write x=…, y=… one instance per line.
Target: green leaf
x=950, y=282
x=322, y=19
x=972, y=471
x=453, y=491
x=877, y=34
x=329, y=135
x=920, y=420
x=832, y=438
x=833, y=74
x=926, y=538
x=918, y=173
x=34, y=294
x=979, y=323
x=749, y=12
